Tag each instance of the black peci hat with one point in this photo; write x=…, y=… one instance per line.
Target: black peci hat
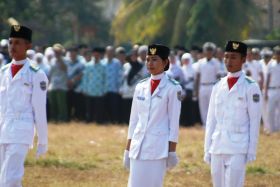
x=236, y=46
x=19, y=31
x=161, y=50
x=98, y=49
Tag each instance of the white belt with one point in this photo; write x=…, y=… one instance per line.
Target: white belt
x=274, y=87
x=236, y=128
x=207, y=83
x=18, y=116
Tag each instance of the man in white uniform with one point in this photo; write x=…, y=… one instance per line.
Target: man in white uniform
x=22, y=107
x=175, y=71
x=233, y=121
x=272, y=92
x=253, y=69
x=265, y=62
x=220, y=57
x=207, y=75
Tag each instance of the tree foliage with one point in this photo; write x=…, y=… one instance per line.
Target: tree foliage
x=184, y=22
x=57, y=20
x=274, y=35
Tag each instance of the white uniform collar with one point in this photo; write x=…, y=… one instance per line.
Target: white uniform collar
x=235, y=74
x=158, y=76
x=20, y=62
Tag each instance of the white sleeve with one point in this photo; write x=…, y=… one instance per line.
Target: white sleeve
x=174, y=110
x=198, y=68
x=254, y=98
x=211, y=121
x=259, y=67
x=39, y=98
x=133, y=120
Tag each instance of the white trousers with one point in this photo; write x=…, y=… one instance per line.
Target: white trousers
x=273, y=105
x=146, y=173
x=12, y=158
x=228, y=170
x=203, y=101
x=266, y=125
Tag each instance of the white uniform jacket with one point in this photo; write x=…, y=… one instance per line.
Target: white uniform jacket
x=233, y=119
x=23, y=105
x=154, y=119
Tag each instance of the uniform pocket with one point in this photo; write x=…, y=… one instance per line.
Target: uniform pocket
x=238, y=137
x=218, y=107
x=23, y=125
x=156, y=143
x=240, y=102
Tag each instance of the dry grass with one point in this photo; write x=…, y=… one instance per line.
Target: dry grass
x=91, y=156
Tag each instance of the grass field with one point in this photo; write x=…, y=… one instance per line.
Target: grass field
x=91, y=156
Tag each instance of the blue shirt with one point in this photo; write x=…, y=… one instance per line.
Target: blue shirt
x=93, y=80
x=113, y=75
x=74, y=69
x=57, y=76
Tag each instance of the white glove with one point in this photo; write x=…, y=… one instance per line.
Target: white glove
x=41, y=150
x=126, y=160
x=207, y=158
x=172, y=160
x=250, y=158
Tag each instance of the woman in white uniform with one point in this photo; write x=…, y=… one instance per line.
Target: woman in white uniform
x=154, y=123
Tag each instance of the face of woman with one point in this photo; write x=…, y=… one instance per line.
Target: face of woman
x=155, y=64
x=185, y=61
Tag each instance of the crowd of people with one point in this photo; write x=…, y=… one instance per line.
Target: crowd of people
x=97, y=84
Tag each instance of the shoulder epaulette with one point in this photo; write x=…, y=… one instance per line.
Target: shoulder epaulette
x=218, y=80
x=173, y=81
x=143, y=80
x=5, y=67
x=34, y=67
x=249, y=80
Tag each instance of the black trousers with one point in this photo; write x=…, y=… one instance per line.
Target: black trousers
x=94, y=109
x=76, y=105
x=197, y=118
x=126, y=108
x=112, y=105
x=187, y=117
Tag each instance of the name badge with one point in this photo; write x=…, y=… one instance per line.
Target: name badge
x=140, y=98
x=26, y=84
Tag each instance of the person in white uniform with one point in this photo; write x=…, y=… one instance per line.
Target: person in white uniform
x=175, y=71
x=23, y=89
x=272, y=92
x=233, y=121
x=220, y=57
x=265, y=62
x=253, y=68
x=207, y=74
x=154, y=123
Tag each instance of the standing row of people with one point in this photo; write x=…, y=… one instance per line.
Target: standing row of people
x=98, y=84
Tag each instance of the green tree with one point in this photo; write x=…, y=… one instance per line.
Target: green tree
x=53, y=21
x=274, y=35
x=221, y=20
x=151, y=21
x=184, y=21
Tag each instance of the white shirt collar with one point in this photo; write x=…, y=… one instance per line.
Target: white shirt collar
x=20, y=62
x=158, y=76
x=235, y=74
